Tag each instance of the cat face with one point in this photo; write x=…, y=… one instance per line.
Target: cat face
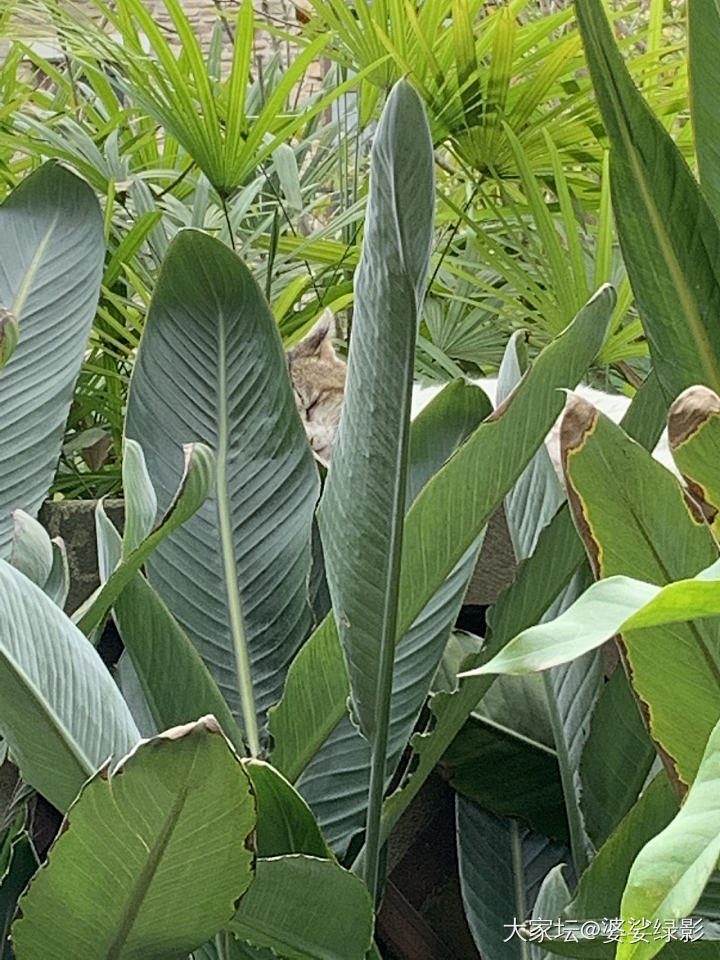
x=318, y=377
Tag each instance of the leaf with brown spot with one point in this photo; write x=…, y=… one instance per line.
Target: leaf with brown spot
x=694, y=436
x=634, y=520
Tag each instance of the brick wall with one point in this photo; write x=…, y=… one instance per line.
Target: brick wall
x=203, y=15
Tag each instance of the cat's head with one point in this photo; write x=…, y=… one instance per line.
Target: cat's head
x=318, y=380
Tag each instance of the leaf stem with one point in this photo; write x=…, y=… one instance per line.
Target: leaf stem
x=237, y=627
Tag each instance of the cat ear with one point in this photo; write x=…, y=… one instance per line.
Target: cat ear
x=318, y=342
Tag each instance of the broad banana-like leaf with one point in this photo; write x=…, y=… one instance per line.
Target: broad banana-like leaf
x=51, y=250
x=669, y=236
x=60, y=733
x=139, y=496
x=363, y=505
x=300, y=907
x=211, y=368
x=552, y=897
x=501, y=865
x=670, y=872
x=633, y=517
x=167, y=829
x=600, y=888
x=610, y=606
x=457, y=503
x=362, y=510
x=703, y=38
x=694, y=437
x=198, y=478
x=174, y=680
x=313, y=703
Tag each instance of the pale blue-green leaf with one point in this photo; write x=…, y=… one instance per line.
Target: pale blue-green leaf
x=59, y=733
x=211, y=367
x=571, y=689
x=435, y=434
x=139, y=496
x=552, y=899
x=32, y=550
x=286, y=167
x=502, y=866
x=51, y=257
x=57, y=585
x=607, y=608
x=362, y=509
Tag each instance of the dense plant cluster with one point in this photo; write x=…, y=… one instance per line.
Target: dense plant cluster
x=467, y=189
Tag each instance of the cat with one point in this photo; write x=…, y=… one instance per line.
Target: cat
x=318, y=377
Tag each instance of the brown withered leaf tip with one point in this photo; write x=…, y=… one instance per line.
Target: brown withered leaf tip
x=177, y=733
x=689, y=412
x=577, y=423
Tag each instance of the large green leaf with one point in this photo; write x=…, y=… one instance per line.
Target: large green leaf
x=671, y=871
x=703, y=38
x=211, y=367
x=285, y=824
x=457, y=503
x=363, y=505
x=154, y=859
x=305, y=908
x=610, y=606
x=362, y=510
x=60, y=710
x=508, y=774
x=51, y=251
x=634, y=519
x=668, y=233
x=601, y=886
x=18, y=862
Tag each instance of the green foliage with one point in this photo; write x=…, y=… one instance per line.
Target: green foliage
x=212, y=584
x=180, y=809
